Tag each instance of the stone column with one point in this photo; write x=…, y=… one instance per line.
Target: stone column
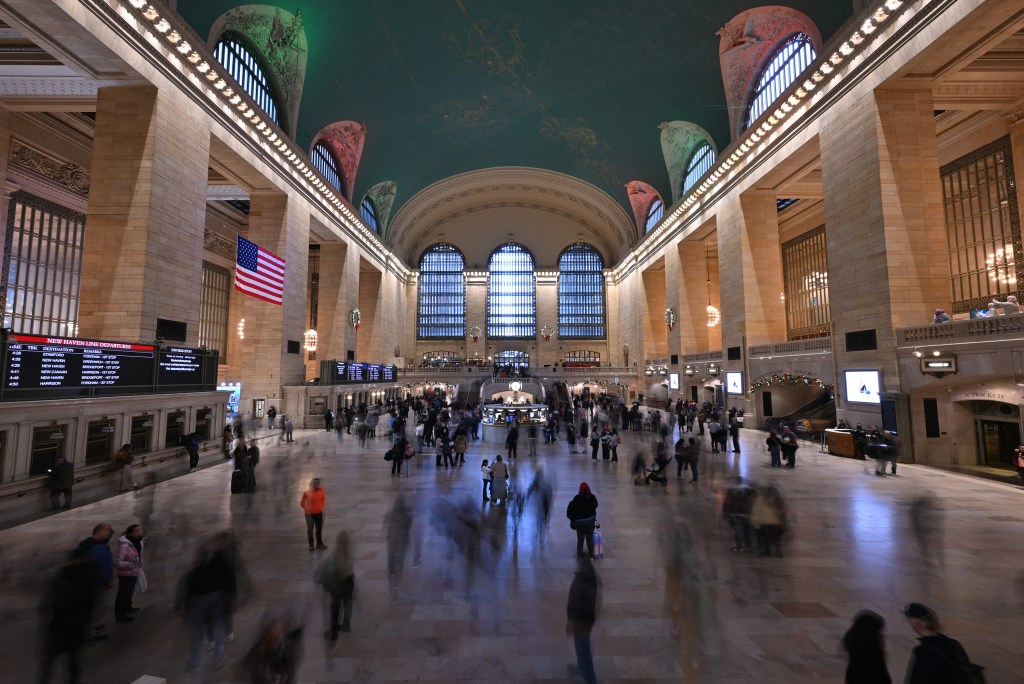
x=339, y=283
x=476, y=314
x=695, y=268
x=654, y=331
x=279, y=225
x=143, y=253
x=547, y=314
x=885, y=227
x=371, y=304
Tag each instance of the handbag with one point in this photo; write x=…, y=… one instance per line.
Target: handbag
x=141, y=585
x=387, y=455
x=572, y=524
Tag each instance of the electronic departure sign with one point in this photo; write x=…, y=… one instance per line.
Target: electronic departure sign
x=334, y=372
x=40, y=367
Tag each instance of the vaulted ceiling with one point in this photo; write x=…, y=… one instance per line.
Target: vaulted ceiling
x=453, y=86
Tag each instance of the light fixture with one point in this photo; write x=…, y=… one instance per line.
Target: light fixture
x=147, y=423
x=180, y=418
x=689, y=371
x=56, y=432
x=713, y=314
x=241, y=329
x=310, y=339
x=918, y=353
x=712, y=369
x=936, y=353
x=648, y=371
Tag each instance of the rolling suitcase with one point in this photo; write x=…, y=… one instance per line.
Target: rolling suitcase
x=238, y=481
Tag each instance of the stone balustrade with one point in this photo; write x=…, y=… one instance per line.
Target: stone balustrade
x=995, y=328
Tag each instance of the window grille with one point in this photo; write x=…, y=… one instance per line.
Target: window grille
x=326, y=163
x=785, y=66
x=512, y=359
x=511, y=294
x=45, y=272
x=581, y=310
x=654, y=214
x=701, y=160
x=368, y=210
x=805, y=277
x=581, y=357
x=213, y=309
x=244, y=66
x=982, y=226
x=442, y=293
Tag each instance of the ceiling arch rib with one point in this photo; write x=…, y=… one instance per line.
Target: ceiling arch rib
x=600, y=220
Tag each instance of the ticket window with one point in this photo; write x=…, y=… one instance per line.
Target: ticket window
x=258, y=406
x=141, y=434
x=204, y=417
x=99, y=442
x=174, y=434
x=47, y=444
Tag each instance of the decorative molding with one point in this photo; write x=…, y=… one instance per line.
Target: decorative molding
x=64, y=173
x=219, y=245
x=223, y=193
x=46, y=86
x=1016, y=114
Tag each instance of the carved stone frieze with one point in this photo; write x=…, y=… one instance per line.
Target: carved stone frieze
x=218, y=244
x=67, y=174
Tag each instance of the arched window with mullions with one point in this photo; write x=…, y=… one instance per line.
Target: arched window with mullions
x=368, y=210
x=249, y=71
x=511, y=294
x=581, y=310
x=442, y=293
x=783, y=68
x=326, y=162
x=654, y=214
x=701, y=161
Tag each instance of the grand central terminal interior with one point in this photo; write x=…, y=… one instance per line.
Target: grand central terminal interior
x=805, y=215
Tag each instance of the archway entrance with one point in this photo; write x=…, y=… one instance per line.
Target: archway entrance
x=996, y=441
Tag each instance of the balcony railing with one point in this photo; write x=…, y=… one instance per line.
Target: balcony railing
x=815, y=344
x=703, y=357
x=1005, y=327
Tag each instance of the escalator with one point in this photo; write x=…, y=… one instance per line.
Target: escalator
x=811, y=419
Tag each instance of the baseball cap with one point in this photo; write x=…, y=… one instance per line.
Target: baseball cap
x=919, y=611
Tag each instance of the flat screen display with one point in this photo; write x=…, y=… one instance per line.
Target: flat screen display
x=356, y=372
x=53, y=363
x=863, y=386
x=734, y=382
x=372, y=372
x=673, y=381
x=180, y=366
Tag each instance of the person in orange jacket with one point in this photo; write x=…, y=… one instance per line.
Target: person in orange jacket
x=312, y=503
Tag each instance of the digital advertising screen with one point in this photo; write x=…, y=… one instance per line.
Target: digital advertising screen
x=863, y=386
x=673, y=381
x=734, y=382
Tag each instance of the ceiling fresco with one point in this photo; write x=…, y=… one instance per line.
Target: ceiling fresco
x=451, y=86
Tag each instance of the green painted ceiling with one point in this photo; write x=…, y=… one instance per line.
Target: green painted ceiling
x=578, y=87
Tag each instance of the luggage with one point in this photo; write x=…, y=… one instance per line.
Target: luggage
x=242, y=481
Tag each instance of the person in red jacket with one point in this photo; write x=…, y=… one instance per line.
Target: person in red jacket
x=312, y=503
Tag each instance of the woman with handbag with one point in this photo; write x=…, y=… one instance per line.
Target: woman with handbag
x=129, y=568
x=582, y=513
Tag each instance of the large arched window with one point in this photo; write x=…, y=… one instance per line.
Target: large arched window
x=368, y=210
x=654, y=214
x=246, y=68
x=581, y=312
x=785, y=66
x=326, y=162
x=701, y=160
x=442, y=293
x=511, y=294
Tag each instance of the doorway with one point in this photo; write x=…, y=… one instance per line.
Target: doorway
x=997, y=440
x=257, y=407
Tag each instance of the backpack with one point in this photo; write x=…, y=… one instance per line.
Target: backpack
x=961, y=669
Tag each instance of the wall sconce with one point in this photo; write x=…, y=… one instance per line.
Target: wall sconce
x=147, y=423
x=689, y=371
x=57, y=432
x=648, y=371
x=713, y=369
x=662, y=370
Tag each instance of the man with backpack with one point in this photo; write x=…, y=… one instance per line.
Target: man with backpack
x=937, y=659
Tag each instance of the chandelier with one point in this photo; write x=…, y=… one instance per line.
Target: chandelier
x=310, y=340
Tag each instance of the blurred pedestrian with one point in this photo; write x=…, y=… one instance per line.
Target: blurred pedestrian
x=96, y=550
x=312, y=503
x=734, y=431
x=461, y=445
x=936, y=658
x=499, y=480
x=570, y=437
x=276, y=657
x=774, y=443
x=693, y=451
x=864, y=643
x=62, y=479
x=739, y=500
x=581, y=614
x=926, y=521
x=397, y=533
x=768, y=518
x=512, y=440
x=595, y=442
x=1018, y=460
x=289, y=427
x=582, y=513
x=789, y=446
x=336, y=574
x=67, y=608
x=207, y=587
x=192, y=447
x=123, y=462
x=129, y=568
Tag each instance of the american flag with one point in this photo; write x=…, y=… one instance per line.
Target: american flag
x=259, y=273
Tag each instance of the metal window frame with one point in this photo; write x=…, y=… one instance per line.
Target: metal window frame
x=803, y=259
x=701, y=160
x=326, y=162
x=214, y=302
x=517, y=319
x=579, y=317
x=441, y=305
x=785, y=66
x=246, y=66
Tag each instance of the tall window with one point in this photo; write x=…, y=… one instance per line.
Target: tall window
x=515, y=360
x=805, y=274
x=580, y=293
x=982, y=226
x=700, y=162
x=654, y=214
x=213, y=309
x=511, y=294
x=326, y=163
x=784, y=67
x=368, y=210
x=442, y=293
x=45, y=273
x=243, y=65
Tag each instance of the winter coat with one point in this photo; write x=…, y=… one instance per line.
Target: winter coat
x=129, y=558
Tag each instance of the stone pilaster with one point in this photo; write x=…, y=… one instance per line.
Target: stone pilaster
x=1017, y=150
x=338, y=278
x=143, y=253
x=654, y=331
x=371, y=305
x=695, y=268
x=885, y=227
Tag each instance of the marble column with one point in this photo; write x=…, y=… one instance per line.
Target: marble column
x=339, y=289
x=143, y=252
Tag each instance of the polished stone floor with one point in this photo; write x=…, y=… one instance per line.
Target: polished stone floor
x=716, y=616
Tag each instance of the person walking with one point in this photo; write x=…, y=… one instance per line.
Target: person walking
x=271, y=415
x=512, y=440
x=129, y=567
x=864, y=643
x=789, y=446
x=582, y=513
x=192, y=447
x=581, y=614
x=595, y=442
x=531, y=439
x=336, y=574
x=499, y=480
x=206, y=588
x=312, y=503
x=62, y=479
x=713, y=432
x=96, y=551
x=936, y=658
x=123, y=462
x=67, y=607
x=397, y=532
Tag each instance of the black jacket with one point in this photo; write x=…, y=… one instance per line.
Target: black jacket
x=933, y=660
x=581, y=610
x=581, y=507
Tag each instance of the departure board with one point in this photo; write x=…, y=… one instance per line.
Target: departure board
x=56, y=363
x=387, y=373
x=372, y=372
x=38, y=367
x=334, y=372
x=356, y=372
